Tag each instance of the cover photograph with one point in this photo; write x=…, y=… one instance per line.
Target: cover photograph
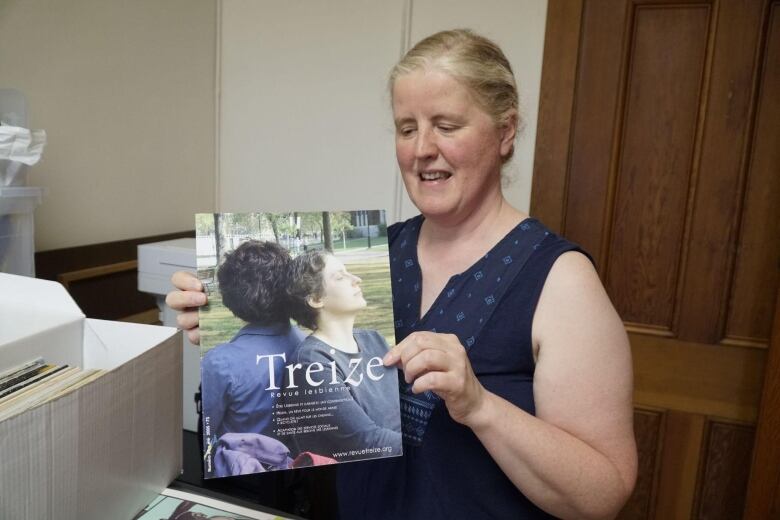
x=299, y=317
x=175, y=504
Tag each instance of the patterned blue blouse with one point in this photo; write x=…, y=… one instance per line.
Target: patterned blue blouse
x=445, y=471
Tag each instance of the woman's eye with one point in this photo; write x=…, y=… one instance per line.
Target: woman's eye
x=447, y=128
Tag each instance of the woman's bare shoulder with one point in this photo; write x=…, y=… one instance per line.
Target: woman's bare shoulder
x=572, y=280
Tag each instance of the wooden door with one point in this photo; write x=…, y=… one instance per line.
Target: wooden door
x=657, y=150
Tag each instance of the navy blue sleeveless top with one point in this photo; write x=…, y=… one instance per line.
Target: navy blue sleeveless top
x=445, y=472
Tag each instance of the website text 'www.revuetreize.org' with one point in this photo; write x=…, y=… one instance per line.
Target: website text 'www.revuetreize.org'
x=364, y=451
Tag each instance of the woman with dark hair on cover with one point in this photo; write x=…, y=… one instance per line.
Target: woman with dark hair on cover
x=350, y=376
x=252, y=281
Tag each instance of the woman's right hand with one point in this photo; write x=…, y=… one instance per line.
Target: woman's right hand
x=186, y=299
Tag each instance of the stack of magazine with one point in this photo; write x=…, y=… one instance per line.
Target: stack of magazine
x=36, y=382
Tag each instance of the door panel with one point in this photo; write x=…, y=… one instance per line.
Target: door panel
x=657, y=152
x=655, y=146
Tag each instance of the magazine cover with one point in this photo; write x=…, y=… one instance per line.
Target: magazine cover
x=173, y=504
x=292, y=340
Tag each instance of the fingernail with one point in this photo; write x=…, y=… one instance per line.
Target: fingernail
x=200, y=299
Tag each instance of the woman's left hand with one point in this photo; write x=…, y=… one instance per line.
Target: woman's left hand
x=438, y=362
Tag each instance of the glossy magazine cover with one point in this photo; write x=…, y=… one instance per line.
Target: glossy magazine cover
x=299, y=317
x=174, y=504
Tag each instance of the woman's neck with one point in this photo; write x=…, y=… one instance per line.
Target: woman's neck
x=494, y=218
x=336, y=331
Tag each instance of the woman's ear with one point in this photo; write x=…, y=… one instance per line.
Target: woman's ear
x=313, y=302
x=508, y=131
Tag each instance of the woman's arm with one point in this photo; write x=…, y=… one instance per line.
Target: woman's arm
x=577, y=457
x=583, y=389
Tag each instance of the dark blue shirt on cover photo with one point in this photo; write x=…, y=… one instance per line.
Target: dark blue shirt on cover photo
x=235, y=399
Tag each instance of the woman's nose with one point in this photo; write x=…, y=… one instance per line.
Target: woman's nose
x=425, y=145
x=356, y=280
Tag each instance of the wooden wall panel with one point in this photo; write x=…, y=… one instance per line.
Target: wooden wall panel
x=763, y=500
x=92, y=295
x=663, y=89
x=672, y=182
x=724, y=472
x=697, y=378
x=556, y=101
x=726, y=114
x=648, y=428
x=100, y=278
x=756, y=273
x=660, y=127
x=679, y=465
x=593, y=120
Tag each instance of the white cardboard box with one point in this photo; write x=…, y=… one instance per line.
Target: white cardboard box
x=106, y=448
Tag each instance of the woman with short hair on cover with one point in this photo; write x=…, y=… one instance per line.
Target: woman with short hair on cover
x=347, y=375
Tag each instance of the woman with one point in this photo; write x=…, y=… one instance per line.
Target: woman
x=252, y=282
x=530, y=416
x=362, y=420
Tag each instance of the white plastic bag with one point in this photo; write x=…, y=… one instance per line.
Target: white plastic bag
x=18, y=146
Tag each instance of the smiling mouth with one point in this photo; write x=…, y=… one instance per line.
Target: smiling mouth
x=434, y=176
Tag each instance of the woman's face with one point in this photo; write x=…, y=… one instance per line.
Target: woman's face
x=341, y=292
x=448, y=148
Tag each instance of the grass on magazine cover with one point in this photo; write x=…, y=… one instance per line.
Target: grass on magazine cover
x=353, y=243
x=219, y=325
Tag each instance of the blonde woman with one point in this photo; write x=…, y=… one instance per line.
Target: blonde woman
x=518, y=368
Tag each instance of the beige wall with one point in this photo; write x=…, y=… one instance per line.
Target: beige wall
x=125, y=91
x=305, y=117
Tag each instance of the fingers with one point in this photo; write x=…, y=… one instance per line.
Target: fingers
x=186, y=281
x=187, y=320
x=443, y=374
x=187, y=299
x=441, y=383
x=424, y=362
x=439, y=363
x=417, y=341
x=182, y=300
x=423, y=355
x=194, y=335
x=393, y=357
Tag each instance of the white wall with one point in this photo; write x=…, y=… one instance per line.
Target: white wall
x=304, y=112
x=304, y=115
x=125, y=91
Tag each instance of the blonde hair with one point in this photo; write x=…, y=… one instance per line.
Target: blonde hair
x=474, y=61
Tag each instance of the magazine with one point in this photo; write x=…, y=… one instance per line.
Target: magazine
x=174, y=504
x=299, y=317
x=35, y=382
